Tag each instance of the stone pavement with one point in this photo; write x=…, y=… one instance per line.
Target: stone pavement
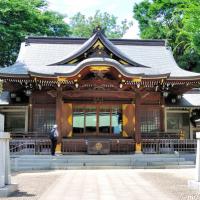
x=131, y=184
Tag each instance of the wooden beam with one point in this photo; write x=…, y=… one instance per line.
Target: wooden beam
x=94, y=93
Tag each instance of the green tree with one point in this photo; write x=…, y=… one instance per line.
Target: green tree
x=19, y=18
x=174, y=20
x=82, y=26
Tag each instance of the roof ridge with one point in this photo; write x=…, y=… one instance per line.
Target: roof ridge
x=77, y=40
x=99, y=36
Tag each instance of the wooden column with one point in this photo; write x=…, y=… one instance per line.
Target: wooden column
x=162, y=114
x=128, y=115
x=59, y=118
x=67, y=119
x=138, y=148
x=30, y=114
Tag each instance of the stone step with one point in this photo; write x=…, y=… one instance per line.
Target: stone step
x=103, y=167
x=120, y=157
x=99, y=156
x=20, y=163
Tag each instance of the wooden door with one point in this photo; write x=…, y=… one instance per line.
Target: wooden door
x=67, y=120
x=128, y=117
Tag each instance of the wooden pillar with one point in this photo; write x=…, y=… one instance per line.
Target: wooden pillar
x=30, y=114
x=67, y=119
x=162, y=114
x=59, y=118
x=138, y=148
x=128, y=115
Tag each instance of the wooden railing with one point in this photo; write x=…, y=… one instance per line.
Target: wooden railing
x=74, y=146
x=80, y=146
x=126, y=146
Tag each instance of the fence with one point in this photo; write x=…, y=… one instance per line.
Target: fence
x=160, y=135
x=30, y=146
x=80, y=146
x=168, y=145
x=117, y=146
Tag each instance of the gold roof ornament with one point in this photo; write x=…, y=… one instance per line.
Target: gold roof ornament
x=98, y=45
x=61, y=79
x=123, y=62
x=73, y=61
x=99, y=68
x=136, y=80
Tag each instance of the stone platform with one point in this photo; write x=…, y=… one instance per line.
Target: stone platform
x=8, y=190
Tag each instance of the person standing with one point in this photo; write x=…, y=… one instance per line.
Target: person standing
x=54, y=138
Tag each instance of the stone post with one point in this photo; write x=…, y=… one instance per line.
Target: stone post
x=195, y=184
x=5, y=175
x=197, y=176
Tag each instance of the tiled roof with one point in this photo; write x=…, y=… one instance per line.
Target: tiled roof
x=37, y=53
x=69, y=70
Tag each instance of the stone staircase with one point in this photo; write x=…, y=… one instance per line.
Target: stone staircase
x=46, y=162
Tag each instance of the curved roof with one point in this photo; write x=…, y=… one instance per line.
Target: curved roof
x=63, y=70
x=98, y=35
x=47, y=56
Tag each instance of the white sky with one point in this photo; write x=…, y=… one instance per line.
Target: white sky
x=123, y=9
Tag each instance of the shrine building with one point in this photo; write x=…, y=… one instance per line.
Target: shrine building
x=121, y=91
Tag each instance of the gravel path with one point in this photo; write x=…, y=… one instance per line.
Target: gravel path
x=173, y=182
x=136, y=184
x=32, y=185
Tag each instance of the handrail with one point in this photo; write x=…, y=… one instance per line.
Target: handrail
x=159, y=135
x=29, y=134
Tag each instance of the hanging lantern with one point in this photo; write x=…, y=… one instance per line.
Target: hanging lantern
x=179, y=96
x=76, y=85
x=28, y=93
x=173, y=100
x=12, y=95
x=165, y=94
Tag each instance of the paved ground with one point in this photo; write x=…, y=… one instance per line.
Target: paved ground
x=33, y=185
x=133, y=184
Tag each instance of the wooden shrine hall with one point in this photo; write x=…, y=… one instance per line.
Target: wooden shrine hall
x=100, y=90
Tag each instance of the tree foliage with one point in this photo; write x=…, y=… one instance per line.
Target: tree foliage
x=19, y=18
x=175, y=20
x=82, y=26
